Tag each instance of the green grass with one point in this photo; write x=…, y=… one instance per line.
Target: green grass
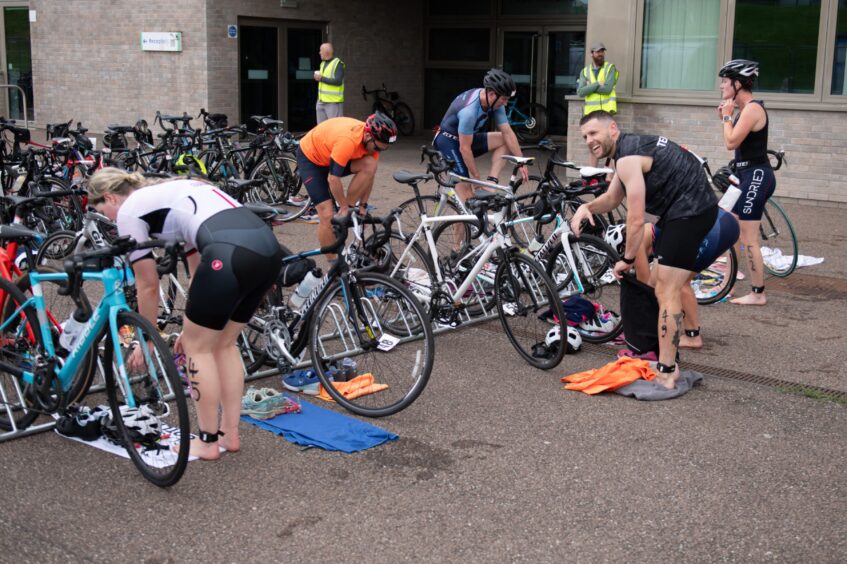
x=814, y=393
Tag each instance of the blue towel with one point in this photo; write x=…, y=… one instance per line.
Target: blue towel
x=319, y=427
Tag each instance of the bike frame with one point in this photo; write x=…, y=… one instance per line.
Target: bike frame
x=106, y=311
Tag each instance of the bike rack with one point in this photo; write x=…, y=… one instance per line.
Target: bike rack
x=23, y=96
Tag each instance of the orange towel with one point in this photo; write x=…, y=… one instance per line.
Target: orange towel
x=610, y=377
x=359, y=386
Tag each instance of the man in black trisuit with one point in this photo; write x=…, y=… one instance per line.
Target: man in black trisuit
x=658, y=176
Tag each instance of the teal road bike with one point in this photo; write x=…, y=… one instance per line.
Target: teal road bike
x=149, y=412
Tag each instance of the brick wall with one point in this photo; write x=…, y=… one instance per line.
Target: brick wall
x=815, y=143
x=88, y=64
x=378, y=40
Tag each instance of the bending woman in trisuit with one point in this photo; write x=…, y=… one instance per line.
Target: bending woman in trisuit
x=237, y=259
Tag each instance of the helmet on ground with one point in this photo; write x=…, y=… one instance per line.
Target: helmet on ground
x=615, y=236
x=742, y=70
x=381, y=127
x=140, y=422
x=500, y=82
x=554, y=336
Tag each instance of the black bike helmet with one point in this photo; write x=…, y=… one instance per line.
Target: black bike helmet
x=500, y=82
x=381, y=127
x=741, y=70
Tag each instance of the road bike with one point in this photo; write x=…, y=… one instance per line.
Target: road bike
x=35, y=381
x=389, y=103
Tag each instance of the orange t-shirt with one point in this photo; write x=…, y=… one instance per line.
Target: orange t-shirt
x=337, y=139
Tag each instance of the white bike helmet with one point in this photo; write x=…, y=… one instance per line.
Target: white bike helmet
x=554, y=335
x=615, y=236
x=141, y=423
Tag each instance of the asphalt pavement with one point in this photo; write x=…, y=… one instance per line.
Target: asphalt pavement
x=497, y=462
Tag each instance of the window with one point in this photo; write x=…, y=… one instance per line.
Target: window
x=680, y=42
x=463, y=8
x=459, y=44
x=839, y=85
x=544, y=7
x=783, y=37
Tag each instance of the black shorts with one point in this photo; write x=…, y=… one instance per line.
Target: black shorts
x=315, y=178
x=240, y=260
x=678, y=244
x=757, y=185
x=449, y=147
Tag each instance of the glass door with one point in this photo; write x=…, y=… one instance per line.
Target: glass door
x=564, y=55
x=16, y=58
x=545, y=63
x=303, y=59
x=259, y=72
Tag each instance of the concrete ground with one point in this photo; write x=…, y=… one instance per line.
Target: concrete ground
x=497, y=462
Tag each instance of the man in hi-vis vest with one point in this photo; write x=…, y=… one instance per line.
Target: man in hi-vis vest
x=597, y=85
x=330, y=79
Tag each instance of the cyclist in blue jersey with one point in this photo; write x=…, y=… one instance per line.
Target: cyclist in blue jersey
x=461, y=135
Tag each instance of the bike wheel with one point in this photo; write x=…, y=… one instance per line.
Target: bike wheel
x=455, y=260
x=594, y=260
x=284, y=186
x=535, y=127
x=381, y=325
x=525, y=294
x=59, y=308
x=148, y=389
x=20, y=343
x=56, y=248
x=779, y=240
x=253, y=342
x=716, y=281
x=404, y=118
x=412, y=266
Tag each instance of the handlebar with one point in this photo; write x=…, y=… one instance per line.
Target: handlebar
x=341, y=225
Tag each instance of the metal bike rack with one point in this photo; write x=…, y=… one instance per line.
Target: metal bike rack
x=23, y=97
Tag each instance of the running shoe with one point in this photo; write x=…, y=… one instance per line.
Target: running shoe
x=302, y=381
x=265, y=403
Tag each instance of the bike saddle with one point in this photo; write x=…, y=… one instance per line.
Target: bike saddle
x=410, y=178
x=519, y=160
x=589, y=171
x=265, y=212
x=18, y=233
x=120, y=128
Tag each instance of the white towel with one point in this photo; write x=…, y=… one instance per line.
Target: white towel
x=775, y=260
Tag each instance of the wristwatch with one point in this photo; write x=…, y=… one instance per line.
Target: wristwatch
x=726, y=118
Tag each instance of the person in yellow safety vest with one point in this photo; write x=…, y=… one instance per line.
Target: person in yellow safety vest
x=330, y=79
x=597, y=85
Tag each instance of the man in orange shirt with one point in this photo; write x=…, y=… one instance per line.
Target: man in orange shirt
x=340, y=147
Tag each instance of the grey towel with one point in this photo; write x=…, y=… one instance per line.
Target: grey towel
x=651, y=391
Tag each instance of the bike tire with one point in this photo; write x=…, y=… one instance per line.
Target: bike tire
x=160, y=380
x=712, y=284
x=283, y=183
x=19, y=345
x=538, y=120
x=378, y=302
x=413, y=269
x=404, y=119
x=525, y=293
x=777, y=233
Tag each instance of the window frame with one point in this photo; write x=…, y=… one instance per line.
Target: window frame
x=820, y=97
x=460, y=64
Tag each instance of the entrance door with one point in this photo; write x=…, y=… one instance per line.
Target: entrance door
x=259, y=72
x=545, y=63
x=16, y=62
x=302, y=90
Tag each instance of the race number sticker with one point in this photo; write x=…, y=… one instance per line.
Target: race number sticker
x=387, y=342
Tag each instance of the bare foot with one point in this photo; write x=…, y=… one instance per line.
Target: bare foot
x=686, y=342
x=751, y=299
x=230, y=442
x=667, y=381
x=203, y=451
